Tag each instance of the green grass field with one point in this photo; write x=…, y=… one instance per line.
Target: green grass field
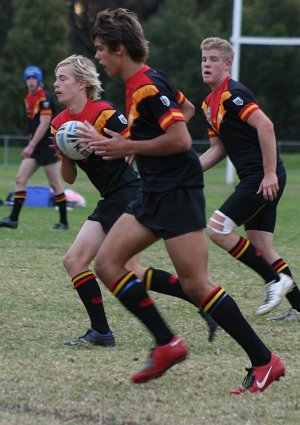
x=43, y=382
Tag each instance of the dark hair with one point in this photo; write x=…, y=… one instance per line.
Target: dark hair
x=120, y=26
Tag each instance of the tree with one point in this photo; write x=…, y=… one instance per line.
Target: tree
x=5, y=21
x=38, y=35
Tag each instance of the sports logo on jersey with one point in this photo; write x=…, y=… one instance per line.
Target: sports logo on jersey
x=238, y=101
x=122, y=119
x=208, y=115
x=46, y=104
x=165, y=100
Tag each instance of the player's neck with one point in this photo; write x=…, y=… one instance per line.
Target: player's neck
x=77, y=106
x=130, y=69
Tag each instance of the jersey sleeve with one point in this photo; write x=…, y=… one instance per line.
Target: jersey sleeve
x=113, y=120
x=164, y=105
x=46, y=105
x=241, y=103
x=180, y=98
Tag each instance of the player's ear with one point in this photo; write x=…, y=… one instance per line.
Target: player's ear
x=120, y=49
x=82, y=85
x=228, y=64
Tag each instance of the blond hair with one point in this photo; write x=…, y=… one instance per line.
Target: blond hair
x=84, y=71
x=219, y=44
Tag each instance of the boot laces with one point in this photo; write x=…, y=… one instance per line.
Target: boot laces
x=249, y=378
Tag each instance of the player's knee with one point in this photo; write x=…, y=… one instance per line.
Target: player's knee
x=196, y=291
x=99, y=267
x=74, y=262
x=20, y=181
x=219, y=225
x=67, y=261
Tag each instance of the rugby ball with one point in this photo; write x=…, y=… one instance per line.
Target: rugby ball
x=69, y=143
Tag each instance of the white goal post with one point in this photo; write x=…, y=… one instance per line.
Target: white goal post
x=237, y=39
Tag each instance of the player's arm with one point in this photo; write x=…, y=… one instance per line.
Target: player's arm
x=40, y=132
x=174, y=140
x=68, y=169
x=187, y=109
x=213, y=155
x=267, y=140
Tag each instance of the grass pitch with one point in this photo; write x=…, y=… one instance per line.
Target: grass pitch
x=43, y=382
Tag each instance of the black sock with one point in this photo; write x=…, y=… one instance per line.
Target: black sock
x=247, y=254
x=19, y=199
x=224, y=310
x=132, y=294
x=89, y=292
x=164, y=283
x=294, y=295
x=61, y=202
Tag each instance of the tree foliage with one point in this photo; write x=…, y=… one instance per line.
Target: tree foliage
x=38, y=35
x=43, y=32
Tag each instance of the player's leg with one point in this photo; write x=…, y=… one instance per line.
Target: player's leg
x=263, y=241
x=239, y=208
x=52, y=173
x=126, y=238
x=77, y=263
x=166, y=283
x=27, y=167
x=189, y=256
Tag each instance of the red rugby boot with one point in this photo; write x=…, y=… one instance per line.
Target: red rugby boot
x=161, y=359
x=259, y=378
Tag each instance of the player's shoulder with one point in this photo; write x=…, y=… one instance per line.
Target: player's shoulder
x=162, y=85
x=60, y=119
x=236, y=87
x=158, y=78
x=45, y=94
x=101, y=105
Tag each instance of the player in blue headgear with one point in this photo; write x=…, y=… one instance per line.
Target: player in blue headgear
x=33, y=71
x=38, y=153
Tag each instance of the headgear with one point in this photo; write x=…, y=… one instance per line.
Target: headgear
x=33, y=71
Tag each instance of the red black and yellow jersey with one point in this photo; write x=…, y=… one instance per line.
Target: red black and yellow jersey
x=227, y=109
x=106, y=176
x=37, y=104
x=152, y=105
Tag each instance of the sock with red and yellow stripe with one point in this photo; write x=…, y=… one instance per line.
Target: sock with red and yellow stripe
x=164, y=283
x=294, y=295
x=61, y=202
x=19, y=199
x=247, y=254
x=224, y=310
x=90, y=294
x=133, y=295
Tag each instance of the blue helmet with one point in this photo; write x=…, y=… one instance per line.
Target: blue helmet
x=33, y=71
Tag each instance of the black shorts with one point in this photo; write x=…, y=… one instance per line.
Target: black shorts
x=109, y=209
x=247, y=208
x=44, y=154
x=171, y=214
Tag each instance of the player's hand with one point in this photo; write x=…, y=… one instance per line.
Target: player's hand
x=113, y=147
x=130, y=159
x=88, y=133
x=27, y=152
x=53, y=145
x=269, y=187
